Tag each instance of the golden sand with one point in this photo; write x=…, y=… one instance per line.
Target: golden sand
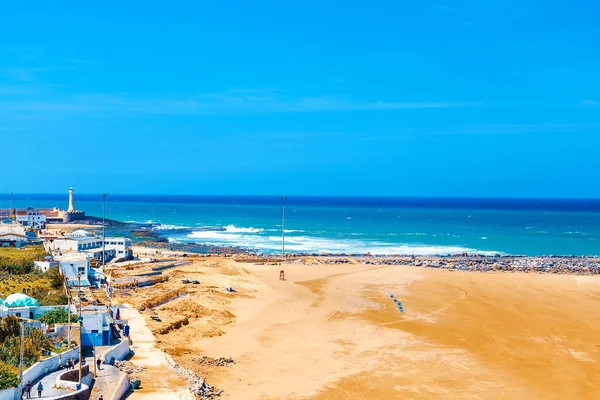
x=332, y=332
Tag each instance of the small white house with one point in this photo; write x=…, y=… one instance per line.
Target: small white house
x=12, y=240
x=71, y=270
x=31, y=218
x=95, y=327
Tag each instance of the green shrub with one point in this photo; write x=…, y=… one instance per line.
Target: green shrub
x=8, y=377
x=58, y=315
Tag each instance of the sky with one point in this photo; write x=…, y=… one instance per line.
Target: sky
x=396, y=98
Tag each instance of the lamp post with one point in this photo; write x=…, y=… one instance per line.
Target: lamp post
x=96, y=336
x=104, y=195
x=80, y=345
x=283, y=226
x=21, y=357
x=80, y=326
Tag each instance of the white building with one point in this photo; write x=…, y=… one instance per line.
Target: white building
x=12, y=235
x=71, y=270
x=31, y=218
x=115, y=246
x=95, y=326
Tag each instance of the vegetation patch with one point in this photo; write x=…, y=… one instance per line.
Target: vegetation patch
x=10, y=346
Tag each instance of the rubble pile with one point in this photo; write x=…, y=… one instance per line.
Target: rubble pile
x=216, y=361
x=128, y=367
x=198, y=386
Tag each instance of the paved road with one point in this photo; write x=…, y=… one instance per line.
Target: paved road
x=48, y=382
x=106, y=380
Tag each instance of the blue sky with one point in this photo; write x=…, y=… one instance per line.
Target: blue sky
x=428, y=98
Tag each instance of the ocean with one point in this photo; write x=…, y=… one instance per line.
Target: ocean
x=376, y=225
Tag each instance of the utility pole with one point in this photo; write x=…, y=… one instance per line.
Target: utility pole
x=21, y=356
x=283, y=226
x=80, y=347
x=68, y=321
x=80, y=326
x=104, y=195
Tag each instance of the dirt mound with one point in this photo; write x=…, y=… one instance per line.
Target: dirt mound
x=162, y=298
x=178, y=323
x=187, y=307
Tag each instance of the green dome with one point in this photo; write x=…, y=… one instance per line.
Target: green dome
x=20, y=300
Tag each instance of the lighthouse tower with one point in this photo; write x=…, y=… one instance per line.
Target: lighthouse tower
x=71, y=206
x=72, y=214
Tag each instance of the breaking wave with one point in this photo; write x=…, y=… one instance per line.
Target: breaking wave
x=307, y=244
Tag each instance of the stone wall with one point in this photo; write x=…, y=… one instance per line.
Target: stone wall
x=73, y=375
x=119, y=352
x=73, y=216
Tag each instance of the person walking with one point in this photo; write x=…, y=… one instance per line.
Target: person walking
x=98, y=363
x=28, y=390
x=40, y=389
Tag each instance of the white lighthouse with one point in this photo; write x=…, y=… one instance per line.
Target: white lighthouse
x=72, y=214
x=71, y=206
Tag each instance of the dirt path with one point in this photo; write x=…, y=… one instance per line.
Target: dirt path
x=159, y=381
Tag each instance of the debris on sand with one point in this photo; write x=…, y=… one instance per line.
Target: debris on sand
x=198, y=386
x=128, y=367
x=216, y=361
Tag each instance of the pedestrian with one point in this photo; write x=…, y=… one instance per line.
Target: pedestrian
x=40, y=389
x=28, y=390
x=98, y=362
x=101, y=397
x=72, y=362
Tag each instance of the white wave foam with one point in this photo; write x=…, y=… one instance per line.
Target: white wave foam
x=167, y=227
x=307, y=244
x=233, y=228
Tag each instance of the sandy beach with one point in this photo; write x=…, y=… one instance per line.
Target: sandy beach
x=332, y=332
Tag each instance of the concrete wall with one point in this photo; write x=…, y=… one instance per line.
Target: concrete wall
x=81, y=394
x=123, y=385
x=119, y=352
x=39, y=369
x=9, y=394
x=48, y=365
x=70, y=379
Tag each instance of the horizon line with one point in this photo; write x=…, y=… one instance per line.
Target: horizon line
x=414, y=197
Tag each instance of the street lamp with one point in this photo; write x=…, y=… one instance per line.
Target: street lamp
x=283, y=226
x=96, y=336
x=80, y=325
x=104, y=196
x=80, y=343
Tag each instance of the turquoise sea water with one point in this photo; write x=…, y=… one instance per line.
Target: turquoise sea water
x=358, y=225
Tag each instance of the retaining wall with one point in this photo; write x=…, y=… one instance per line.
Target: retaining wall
x=40, y=369
x=123, y=385
x=119, y=351
x=70, y=379
x=9, y=394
